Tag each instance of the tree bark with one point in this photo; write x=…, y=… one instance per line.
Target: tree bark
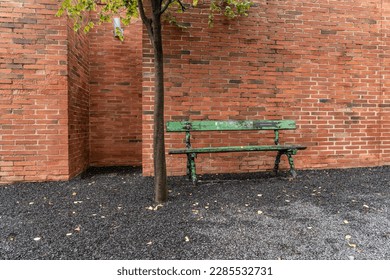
x=153, y=27
x=160, y=173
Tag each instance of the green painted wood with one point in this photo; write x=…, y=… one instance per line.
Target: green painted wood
x=236, y=149
x=276, y=141
x=193, y=168
x=230, y=125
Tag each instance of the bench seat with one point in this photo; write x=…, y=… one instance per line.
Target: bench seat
x=229, y=149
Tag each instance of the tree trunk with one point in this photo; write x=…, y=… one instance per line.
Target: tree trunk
x=160, y=172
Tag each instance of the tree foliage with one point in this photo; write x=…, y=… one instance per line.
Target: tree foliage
x=128, y=9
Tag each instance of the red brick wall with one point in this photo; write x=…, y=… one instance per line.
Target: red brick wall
x=115, y=103
x=50, y=125
x=33, y=92
x=385, y=98
x=321, y=63
x=66, y=100
x=78, y=100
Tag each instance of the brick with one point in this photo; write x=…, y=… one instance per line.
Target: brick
x=23, y=41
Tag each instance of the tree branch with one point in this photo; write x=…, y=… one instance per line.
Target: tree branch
x=147, y=21
x=141, y=9
x=166, y=6
x=169, y=2
x=183, y=8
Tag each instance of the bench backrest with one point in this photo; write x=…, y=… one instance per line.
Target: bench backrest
x=186, y=126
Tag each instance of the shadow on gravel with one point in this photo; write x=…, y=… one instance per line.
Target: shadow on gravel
x=108, y=213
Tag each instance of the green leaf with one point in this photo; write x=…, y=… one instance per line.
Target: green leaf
x=76, y=26
x=88, y=27
x=119, y=33
x=60, y=12
x=229, y=8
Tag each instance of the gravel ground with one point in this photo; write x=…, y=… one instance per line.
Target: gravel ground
x=108, y=213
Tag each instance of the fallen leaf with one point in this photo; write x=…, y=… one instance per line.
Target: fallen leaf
x=74, y=193
x=11, y=237
x=351, y=245
x=154, y=208
x=158, y=206
x=77, y=228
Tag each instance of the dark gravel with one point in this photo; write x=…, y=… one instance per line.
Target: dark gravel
x=108, y=213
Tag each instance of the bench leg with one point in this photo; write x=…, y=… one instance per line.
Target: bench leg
x=291, y=162
x=193, y=168
x=189, y=166
x=277, y=161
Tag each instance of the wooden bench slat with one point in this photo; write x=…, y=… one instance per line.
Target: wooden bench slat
x=236, y=149
x=184, y=126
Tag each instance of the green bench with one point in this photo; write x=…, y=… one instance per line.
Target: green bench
x=233, y=125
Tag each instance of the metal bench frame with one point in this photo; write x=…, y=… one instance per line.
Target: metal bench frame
x=234, y=125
